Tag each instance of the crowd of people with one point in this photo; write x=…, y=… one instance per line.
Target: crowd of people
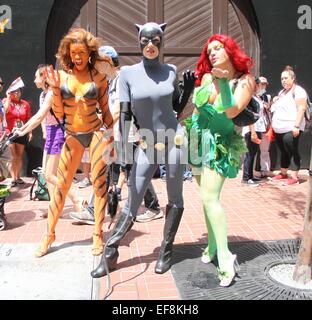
x=122, y=124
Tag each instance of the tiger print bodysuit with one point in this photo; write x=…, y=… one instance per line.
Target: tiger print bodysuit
x=84, y=129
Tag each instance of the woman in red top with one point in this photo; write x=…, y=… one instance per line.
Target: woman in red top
x=17, y=113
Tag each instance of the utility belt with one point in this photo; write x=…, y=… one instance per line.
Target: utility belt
x=177, y=142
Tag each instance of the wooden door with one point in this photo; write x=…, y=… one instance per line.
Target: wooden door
x=189, y=24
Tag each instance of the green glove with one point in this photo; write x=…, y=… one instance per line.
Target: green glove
x=227, y=97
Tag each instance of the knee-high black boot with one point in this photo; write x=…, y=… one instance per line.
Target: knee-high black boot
x=123, y=225
x=173, y=218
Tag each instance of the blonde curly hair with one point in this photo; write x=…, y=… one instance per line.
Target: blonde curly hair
x=77, y=35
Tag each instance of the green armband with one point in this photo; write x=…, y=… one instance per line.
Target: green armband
x=227, y=97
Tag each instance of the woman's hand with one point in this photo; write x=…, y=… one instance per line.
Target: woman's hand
x=253, y=135
x=30, y=136
x=275, y=99
x=18, y=131
x=52, y=77
x=254, y=138
x=295, y=132
x=9, y=97
x=220, y=73
x=7, y=102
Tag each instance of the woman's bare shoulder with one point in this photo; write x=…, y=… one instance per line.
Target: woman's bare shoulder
x=63, y=75
x=247, y=77
x=98, y=77
x=247, y=80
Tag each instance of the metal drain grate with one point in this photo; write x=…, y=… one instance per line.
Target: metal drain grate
x=198, y=281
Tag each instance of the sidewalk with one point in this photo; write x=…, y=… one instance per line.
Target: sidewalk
x=268, y=212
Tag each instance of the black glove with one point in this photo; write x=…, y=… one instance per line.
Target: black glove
x=187, y=87
x=188, y=81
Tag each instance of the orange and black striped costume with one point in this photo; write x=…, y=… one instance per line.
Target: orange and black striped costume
x=78, y=102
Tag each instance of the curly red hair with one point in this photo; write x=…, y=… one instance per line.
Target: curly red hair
x=241, y=62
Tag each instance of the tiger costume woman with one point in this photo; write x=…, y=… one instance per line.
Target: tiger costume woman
x=78, y=90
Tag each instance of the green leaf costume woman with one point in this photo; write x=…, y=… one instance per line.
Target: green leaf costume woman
x=214, y=146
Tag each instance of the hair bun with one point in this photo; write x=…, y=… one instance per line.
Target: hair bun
x=289, y=68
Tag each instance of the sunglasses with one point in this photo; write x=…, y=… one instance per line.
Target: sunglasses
x=1, y=83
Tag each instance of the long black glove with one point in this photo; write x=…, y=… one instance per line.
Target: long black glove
x=124, y=128
x=187, y=88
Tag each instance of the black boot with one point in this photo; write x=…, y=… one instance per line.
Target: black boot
x=173, y=218
x=123, y=225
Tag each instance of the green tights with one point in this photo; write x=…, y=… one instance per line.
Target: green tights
x=211, y=184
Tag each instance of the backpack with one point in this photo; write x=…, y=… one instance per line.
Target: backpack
x=250, y=114
x=41, y=192
x=308, y=112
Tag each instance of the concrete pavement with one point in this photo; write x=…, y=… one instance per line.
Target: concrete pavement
x=268, y=212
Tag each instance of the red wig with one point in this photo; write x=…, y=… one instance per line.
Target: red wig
x=241, y=62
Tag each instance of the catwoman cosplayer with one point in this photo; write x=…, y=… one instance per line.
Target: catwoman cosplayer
x=150, y=92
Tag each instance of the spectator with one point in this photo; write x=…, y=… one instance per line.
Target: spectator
x=263, y=162
x=252, y=135
x=17, y=113
x=288, y=124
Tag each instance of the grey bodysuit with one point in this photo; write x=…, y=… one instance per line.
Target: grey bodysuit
x=151, y=87
x=150, y=92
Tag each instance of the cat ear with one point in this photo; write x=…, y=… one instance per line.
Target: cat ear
x=163, y=26
x=139, y=27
